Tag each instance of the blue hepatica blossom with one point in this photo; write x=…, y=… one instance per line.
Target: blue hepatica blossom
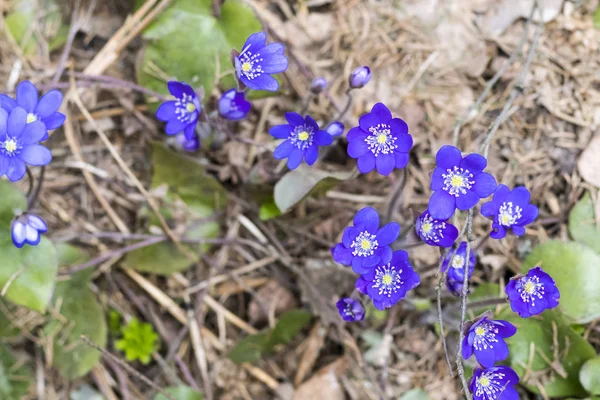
x=303, y=138
x=45, y=109
x=233, y=105
x=365, y=245
x=435, y=232
x=258, y=60
x=455, y=286
x=485, y=339
x=359, y=77
x=182, y=113
x=458, y=182
x=19, y=144
x=388, y=283
x=351, y=310
x=27, y=229
x=454, y=262
x=509, y=210
x=335, y=129
x=318, y=85
x=533, y=293
x=380, y=141
x=496, y=383
x=186, y=144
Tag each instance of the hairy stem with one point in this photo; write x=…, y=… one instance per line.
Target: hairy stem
x=32, y=195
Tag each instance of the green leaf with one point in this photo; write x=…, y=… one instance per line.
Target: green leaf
x=415, y=394
x=249, y=349
x=202, y=196
x=69, y=255
x=268, y=211
x=289, y=326
x=574, y=268
x=582, y=223
x=572, y=352
x=15, y=376
x=180, y=393
x=139, y=341
x=590, y=375
x=26, y=14
x=186, y=42
x=303, y=181
x=252, y=348
x=84, y=316
x=596, y=18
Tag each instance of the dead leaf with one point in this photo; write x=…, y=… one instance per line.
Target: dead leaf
x=501, y=14
x=589, y=162
x=324, y=384
x=310, y=353
x=274, y=296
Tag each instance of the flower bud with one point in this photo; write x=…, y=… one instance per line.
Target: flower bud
x=359, y=77
x=318, y=85
x=335, y=129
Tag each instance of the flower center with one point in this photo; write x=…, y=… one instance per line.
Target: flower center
x=387, y=280
x=507, y=216
x=302, y=137
x=31, y=117
x=348, y=310
x=381, y=139
x=489, y=386
x=186, y=107
x=530, y=289
x=364, y=245
x=10, y=147
x=458, y=261
x=432, y=229
x=250, y=64
x=457, y=181
x=485, y=336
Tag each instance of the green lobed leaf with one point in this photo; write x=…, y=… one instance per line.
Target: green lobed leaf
x=202, y=194
x=415, y=394
x=303, y=181
x=572, y=352
x=180, y=393
x=15, y=376
x=589, y=375
x=84, y=316
x=187, y=43
x=582, y=223
x=574, y=268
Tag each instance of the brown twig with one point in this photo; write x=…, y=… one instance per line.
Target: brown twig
x=127, y=367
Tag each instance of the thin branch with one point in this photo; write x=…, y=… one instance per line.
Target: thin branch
x=488, y=87
x=518, y=88
x=438, y=290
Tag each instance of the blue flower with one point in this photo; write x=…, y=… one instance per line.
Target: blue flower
x=44, y=109
x=364, y=245
x=496, y=383
x=435, y=232
x=388, y=282
x=359, y=77
x=350, y=310
x=485, y=338
x=303, y=139
x=257, y=61
x=379, y=141
x=233, y=105
x=27, y=229
x=533, y=293
x=19, y=144
x=509, y=210
x=455, y=286
x=458, y=182
x=186, y=144
x=335, y=129
x=456, y=261
x=182, y=113
x=318, y=85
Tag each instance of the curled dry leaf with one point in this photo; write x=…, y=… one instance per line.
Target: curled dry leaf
x=274, y=296
x=589, y=162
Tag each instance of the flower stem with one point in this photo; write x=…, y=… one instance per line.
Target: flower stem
x=32, y=195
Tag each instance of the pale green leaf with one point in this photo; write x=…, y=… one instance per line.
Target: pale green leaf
x=590, y=375
x=188, y=43
x=180, y=393
x=304, y=180
x=84, y=316
x=415, y=394
x=582, y=223
x=538, y=334
x=574, y=268
x=15, y=376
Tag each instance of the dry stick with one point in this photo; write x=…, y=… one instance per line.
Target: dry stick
x=129, y=368
x=465, y=291
x=516, y=53
x=520, y=80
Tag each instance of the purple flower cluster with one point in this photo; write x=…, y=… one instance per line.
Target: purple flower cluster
x=385, y=276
